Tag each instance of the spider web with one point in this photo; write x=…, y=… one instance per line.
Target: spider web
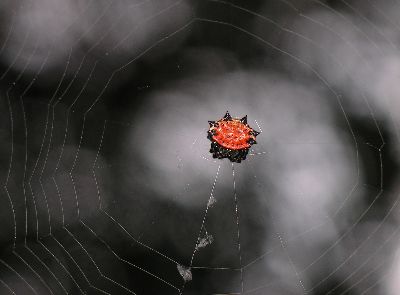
x=113, y=191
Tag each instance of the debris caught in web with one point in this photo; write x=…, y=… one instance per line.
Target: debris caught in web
x=185, y=272
x=211, y=201
x=207, y=240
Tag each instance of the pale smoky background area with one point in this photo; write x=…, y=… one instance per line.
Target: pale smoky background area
x=108, y=186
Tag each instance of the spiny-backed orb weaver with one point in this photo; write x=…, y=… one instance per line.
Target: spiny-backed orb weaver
x=231, y=138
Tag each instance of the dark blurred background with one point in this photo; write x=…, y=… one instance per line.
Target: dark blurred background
x=108, y=184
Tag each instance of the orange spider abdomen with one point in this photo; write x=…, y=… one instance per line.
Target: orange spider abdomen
x=233, y=134
x=231, y=138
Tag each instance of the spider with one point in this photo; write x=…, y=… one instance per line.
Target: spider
x=231, y=138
